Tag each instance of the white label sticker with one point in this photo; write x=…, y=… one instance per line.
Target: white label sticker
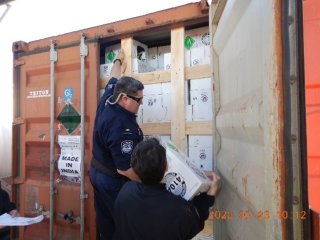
x=39, y=93
x=70, y=158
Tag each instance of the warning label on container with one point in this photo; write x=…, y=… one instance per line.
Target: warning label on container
x=70, y=158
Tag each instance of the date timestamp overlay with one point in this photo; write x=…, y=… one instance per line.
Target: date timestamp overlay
x=260, y=215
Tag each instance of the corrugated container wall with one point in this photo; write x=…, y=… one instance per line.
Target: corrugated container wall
x=57, y=84
x=311, y=25
x=259, y=120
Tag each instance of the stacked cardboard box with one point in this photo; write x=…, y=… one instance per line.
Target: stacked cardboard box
x=111, y=53
x=139, y=58
x=200, y=151
x=199, y=100
x=156, y=103
x=159, y=58
x=197, y=47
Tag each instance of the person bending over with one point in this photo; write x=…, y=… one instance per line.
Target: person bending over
x=147, y=210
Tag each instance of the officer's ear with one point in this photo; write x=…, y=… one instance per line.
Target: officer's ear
x=123, y=101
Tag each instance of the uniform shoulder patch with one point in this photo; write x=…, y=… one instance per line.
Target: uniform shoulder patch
x=127, y=146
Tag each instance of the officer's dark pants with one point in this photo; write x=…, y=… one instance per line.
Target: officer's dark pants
x=5, y=233
x=106, y=190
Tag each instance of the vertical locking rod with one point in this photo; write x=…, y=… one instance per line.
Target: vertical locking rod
x=53, y=59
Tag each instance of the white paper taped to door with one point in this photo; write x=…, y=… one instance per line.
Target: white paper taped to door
x=70, y=158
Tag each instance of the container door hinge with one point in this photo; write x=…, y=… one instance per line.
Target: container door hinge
x=19, y=63
x=18, y=121
x=84, y=196
x=53, y=52
x=83, y=46
x=53, y=192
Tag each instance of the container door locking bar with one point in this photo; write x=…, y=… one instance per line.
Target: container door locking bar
x=53, y=59
x=83, y=196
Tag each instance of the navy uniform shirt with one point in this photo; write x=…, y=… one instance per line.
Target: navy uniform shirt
x=116, y=133
x=144, y=212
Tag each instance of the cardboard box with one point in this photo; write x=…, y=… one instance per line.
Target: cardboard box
x=197, y=52
x=152, y=89
x=105, y=70
x=200, y=141
x=152, y=108
x=156, y=103
x=139, y=57
x=166, y=107
x=140, y=115
x=201, y=102
x=111, y=53
x=164, y=138
x=152, y=58
x=201, y=84
x=201, y=157
x=200, y=151
x=183, y=177
x=166, y=101
x=164, y=57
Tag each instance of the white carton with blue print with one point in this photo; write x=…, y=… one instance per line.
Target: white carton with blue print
x=183, y=177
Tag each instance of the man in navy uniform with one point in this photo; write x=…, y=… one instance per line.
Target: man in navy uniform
x=115, y=135
x=146, y=210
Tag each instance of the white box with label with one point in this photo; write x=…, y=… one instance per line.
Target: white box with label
x=199, y=141
x=201, y=84
x=166, y=107
x=199, y=51
x=166, y=102
x=152, y=58
x=140, y=115
x=152, y=89
x=202, y=157
x=164, y=57
x=201, y=102
x=183, y=177
x=152, y=108
x=111, y=53
x=139, y=57
x=105, y=70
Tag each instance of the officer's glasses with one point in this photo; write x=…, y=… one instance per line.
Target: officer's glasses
x=137, y=99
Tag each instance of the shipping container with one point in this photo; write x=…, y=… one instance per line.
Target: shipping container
x=311, y=25
x=57, y=85
x=224, y=81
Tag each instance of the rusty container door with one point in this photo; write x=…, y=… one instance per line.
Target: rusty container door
x=31, y=137
x=311, y=9
x=257, y=137
x=311, y=26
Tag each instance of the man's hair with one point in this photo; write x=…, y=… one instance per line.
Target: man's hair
x=127, y=85
x=149, y=161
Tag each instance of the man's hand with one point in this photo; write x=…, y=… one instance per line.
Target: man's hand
x=121, y=55
x=130, y=173
x=215, y=185
x=116, y=67
x=14, y=213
